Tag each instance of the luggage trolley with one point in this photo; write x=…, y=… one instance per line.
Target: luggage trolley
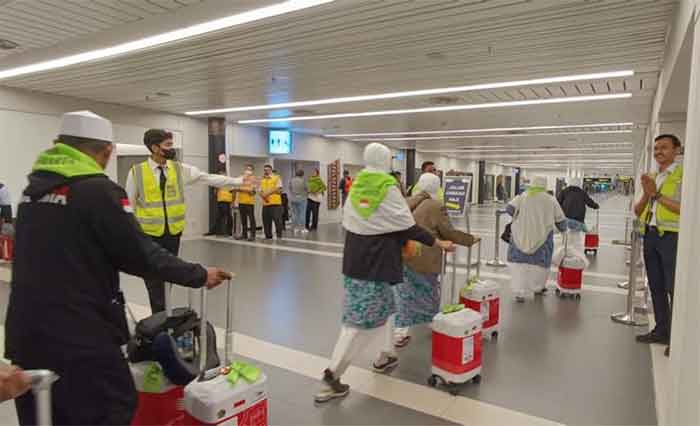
x=592, y=242
x=482, y=296
x=456, y=344
x=569, y=278
x=235, y=394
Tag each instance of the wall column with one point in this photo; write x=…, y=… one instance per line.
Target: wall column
x=685, y=339
x=217, y=152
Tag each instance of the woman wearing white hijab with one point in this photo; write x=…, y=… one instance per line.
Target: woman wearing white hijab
x=536, y=214
x=378, y=223
x=418, y=296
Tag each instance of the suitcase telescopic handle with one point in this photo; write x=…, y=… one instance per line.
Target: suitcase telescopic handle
x=41, y=381
x=203, y=336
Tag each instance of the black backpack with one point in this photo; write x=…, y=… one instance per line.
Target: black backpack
x=156, y=338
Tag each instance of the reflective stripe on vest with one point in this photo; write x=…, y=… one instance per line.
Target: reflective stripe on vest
x=149, y=202
x=666, y=220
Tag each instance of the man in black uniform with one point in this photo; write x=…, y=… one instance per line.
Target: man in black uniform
x=75, y=232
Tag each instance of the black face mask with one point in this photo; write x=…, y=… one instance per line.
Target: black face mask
x=169, y=154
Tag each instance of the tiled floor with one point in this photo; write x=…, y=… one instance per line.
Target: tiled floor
x=555, y=360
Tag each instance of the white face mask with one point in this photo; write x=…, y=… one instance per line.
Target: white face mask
x=248, y=172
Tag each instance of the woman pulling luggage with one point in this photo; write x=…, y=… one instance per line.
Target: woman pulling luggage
x=418, y=296
x=378, y=223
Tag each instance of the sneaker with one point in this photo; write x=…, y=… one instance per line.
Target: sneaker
x=520, y=299
x=541, y=291
x=385, y=364
x=402, y=342
x=652, y=337
x=334, y=389
x=667, y=352
x=251, y=239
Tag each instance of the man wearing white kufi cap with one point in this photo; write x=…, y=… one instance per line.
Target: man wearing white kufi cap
x=536, y=215
x=75, y=232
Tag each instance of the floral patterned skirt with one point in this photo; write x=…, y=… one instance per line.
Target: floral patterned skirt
x=418, y=298
x=367, y=304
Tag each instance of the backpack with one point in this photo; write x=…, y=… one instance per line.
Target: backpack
x=174, y=343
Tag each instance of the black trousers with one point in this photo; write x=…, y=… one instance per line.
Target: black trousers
x=90, y=391
x=660, y=261
x=272, y=214
x=312, y=214
x=224, y=221
x=156, y=289
x=247, y=219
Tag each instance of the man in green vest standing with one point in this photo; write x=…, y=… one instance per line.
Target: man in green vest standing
x=659, y=210
x=156, y=189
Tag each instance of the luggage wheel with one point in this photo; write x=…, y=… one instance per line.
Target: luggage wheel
x=494, y=335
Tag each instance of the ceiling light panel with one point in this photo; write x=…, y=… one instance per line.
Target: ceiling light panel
x=168, y=37
x=485, y=130
x=504, y=135
x=490, y=105
x=424, y=92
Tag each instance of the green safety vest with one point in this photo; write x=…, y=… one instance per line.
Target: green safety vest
x=666, y=220
x=152, y=205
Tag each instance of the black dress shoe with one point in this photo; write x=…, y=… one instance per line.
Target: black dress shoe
x=667, y=352
x=652, y=337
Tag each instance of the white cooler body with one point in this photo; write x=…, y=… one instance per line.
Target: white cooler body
x=218, y=402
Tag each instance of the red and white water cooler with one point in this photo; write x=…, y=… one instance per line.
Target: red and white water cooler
x=456, y=348
x=161, y=406
x=218, y=402
x=484, y=297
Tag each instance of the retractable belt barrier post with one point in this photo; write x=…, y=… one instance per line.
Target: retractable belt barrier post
x=628, y=317
x=497, y=262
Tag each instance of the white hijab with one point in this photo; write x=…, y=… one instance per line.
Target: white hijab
x=429, y=183
x=536, y=215
x=392, y=214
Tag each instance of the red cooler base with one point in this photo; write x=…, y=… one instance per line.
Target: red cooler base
x=592, y=242
x=160, y=408
x=7, y=248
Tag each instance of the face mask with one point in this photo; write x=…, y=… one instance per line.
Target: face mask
x=169, y=154
x=248, y=172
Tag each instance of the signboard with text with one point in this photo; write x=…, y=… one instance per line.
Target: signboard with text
x=457, y=190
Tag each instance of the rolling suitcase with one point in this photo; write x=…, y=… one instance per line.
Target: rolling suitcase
x=456, y=346
x=592, y=241
x=42, y=380
x=235, y=394
x=482, y=296
x=570, y=273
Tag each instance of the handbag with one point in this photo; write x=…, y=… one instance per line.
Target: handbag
x=507, y=233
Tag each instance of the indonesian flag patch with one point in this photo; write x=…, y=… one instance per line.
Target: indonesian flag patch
x=364, y=203
x=127, y=206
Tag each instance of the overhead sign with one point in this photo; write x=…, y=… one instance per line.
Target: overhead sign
x=457, y=190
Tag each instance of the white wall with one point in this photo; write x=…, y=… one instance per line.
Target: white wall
x=30, y=121
x=252, y=142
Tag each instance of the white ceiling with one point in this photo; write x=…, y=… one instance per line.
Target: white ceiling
x=354, y=47
x=37, y=24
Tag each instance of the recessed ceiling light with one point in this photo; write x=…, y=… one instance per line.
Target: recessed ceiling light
x=485, y=130
x=7, y=44
x=424, y=92
x=169, y=37
x=490, y=105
